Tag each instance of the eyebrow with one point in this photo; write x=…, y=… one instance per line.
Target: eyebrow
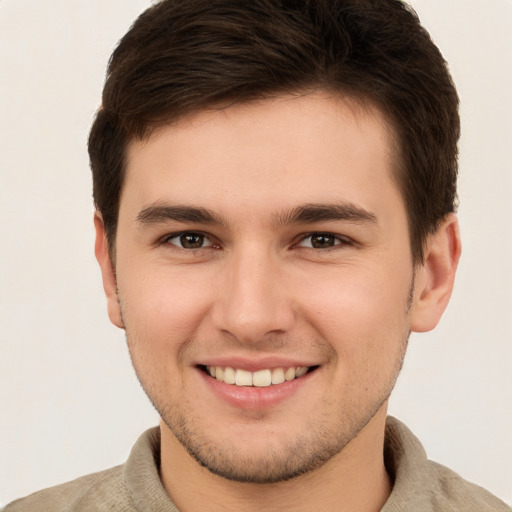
x=303, y=214
x=310, y=213
x=155, y=214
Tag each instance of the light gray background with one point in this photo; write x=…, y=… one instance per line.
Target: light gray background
x=70, y=403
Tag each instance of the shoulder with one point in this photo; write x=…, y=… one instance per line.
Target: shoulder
x=103, y=491
x=421, y=484
x=130, y=487
x=449, y=489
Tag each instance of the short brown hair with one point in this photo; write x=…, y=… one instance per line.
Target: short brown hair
x=183, y=56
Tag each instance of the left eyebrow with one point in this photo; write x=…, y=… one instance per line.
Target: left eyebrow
x=310, y=213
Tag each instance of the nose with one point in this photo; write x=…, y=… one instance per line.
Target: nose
x=253, y=300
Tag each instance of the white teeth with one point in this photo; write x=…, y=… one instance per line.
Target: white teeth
x=261, y=378
x=277, y=376
x=229, y=375
x=300, y=371
x=289, y=374
x=243, y=378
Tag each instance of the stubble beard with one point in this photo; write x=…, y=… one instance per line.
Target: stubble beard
x=283, y=460
x=310, y=450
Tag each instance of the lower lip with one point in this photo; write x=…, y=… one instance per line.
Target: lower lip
x=255, y=398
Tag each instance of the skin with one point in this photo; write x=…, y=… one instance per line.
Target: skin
x=271, y=280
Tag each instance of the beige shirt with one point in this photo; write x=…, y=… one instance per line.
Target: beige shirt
x=419, y=485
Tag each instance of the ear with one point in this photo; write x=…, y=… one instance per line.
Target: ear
x=435, y=276
x=108, y=272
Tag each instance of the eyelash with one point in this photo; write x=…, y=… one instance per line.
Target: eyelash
x=337, y=239
x=167, y=240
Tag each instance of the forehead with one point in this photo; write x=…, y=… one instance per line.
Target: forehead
x=272, y=153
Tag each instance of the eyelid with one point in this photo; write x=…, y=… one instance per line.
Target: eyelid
x=170, y=236
x=341, y=240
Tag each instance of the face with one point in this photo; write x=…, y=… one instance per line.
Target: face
x=265, y=280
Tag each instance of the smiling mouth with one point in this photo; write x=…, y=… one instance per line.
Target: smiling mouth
x=260, y=378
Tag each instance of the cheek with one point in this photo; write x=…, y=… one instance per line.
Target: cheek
x=365, y=322
x=163, y=307
x=359, y=310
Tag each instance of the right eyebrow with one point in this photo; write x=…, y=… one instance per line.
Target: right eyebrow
x=155, y=214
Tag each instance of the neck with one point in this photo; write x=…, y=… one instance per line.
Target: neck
x=354, y=479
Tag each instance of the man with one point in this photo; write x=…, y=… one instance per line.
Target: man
x=275, y=193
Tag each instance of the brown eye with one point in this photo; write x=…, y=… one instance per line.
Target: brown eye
x=189, y=240
x=322, y=241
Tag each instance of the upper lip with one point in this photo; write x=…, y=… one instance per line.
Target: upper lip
x=255, y=364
